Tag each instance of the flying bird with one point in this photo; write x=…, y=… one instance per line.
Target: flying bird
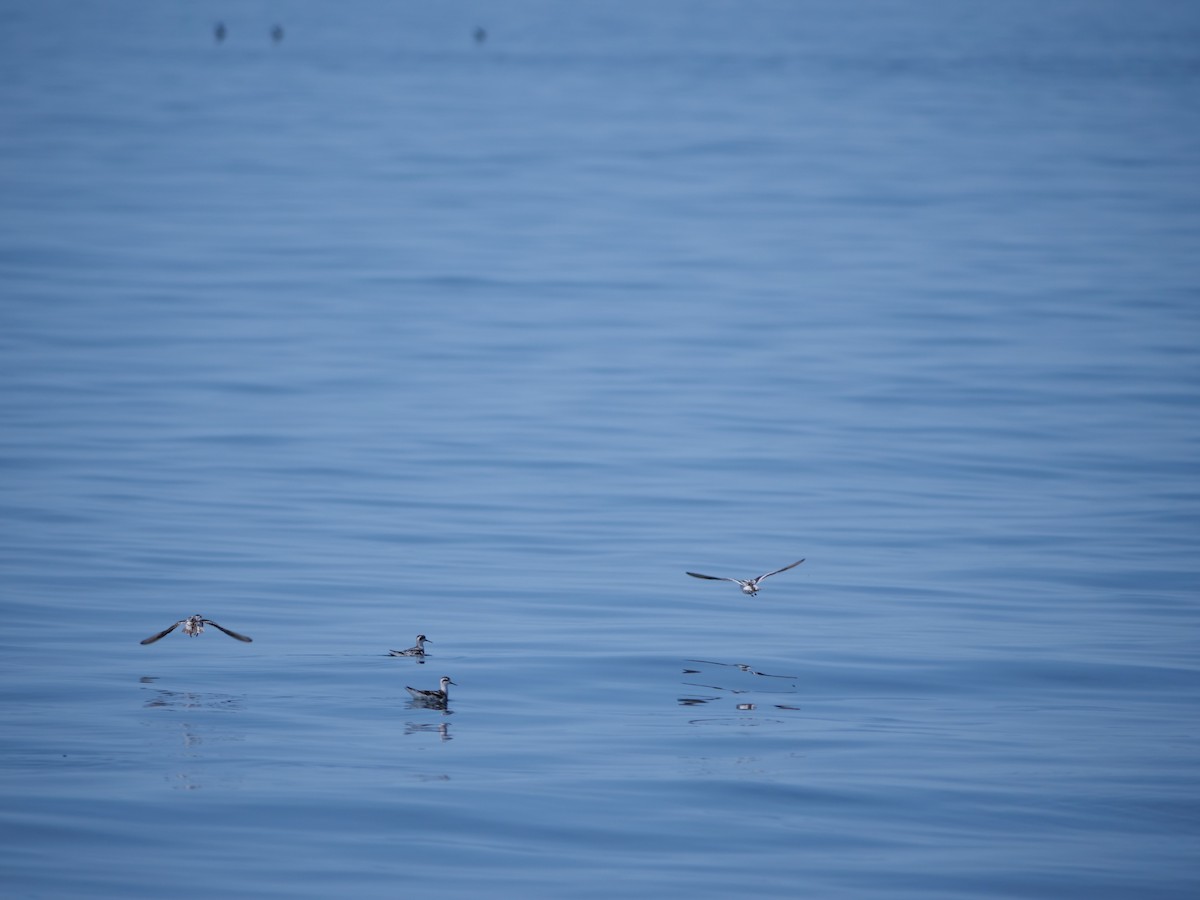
x=749, y=586
x=192, y=626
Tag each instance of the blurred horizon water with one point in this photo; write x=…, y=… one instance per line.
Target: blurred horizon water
x=380, y=329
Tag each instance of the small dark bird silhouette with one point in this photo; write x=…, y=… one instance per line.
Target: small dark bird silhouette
x=219, y=32
x=277, y=33
x=480, y=35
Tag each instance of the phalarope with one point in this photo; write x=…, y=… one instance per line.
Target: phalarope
x=417, y=649
x=192, y=626
x=433, y=698
x=749, y=586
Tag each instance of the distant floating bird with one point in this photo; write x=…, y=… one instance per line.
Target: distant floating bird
x=192, y=626
x=418, y=649
x=277, y=33
x=437, y=698
x=480, y=35
x=750, y=586
x=219, y=32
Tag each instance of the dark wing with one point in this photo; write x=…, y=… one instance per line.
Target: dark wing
x=713, y=577
x=164, y=632
x=784, y=569
x=232, y=634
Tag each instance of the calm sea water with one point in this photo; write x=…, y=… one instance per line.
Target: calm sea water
x=383, y=329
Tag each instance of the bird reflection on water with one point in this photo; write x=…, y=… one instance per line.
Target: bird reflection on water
x=442, y=729
x=723, y=690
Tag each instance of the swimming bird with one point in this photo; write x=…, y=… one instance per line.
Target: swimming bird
x=418, y=649
x=433, y=698
x=192, y=626
x=750, y=586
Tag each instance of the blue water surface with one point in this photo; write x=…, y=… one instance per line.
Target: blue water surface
x=489, y=323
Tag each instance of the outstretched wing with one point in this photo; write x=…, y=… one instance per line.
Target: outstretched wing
x=713, y=577
x=232, y=634
x=784, y=569
x=163, y=633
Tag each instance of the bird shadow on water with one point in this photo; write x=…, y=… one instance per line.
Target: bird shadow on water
x=729, y=681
